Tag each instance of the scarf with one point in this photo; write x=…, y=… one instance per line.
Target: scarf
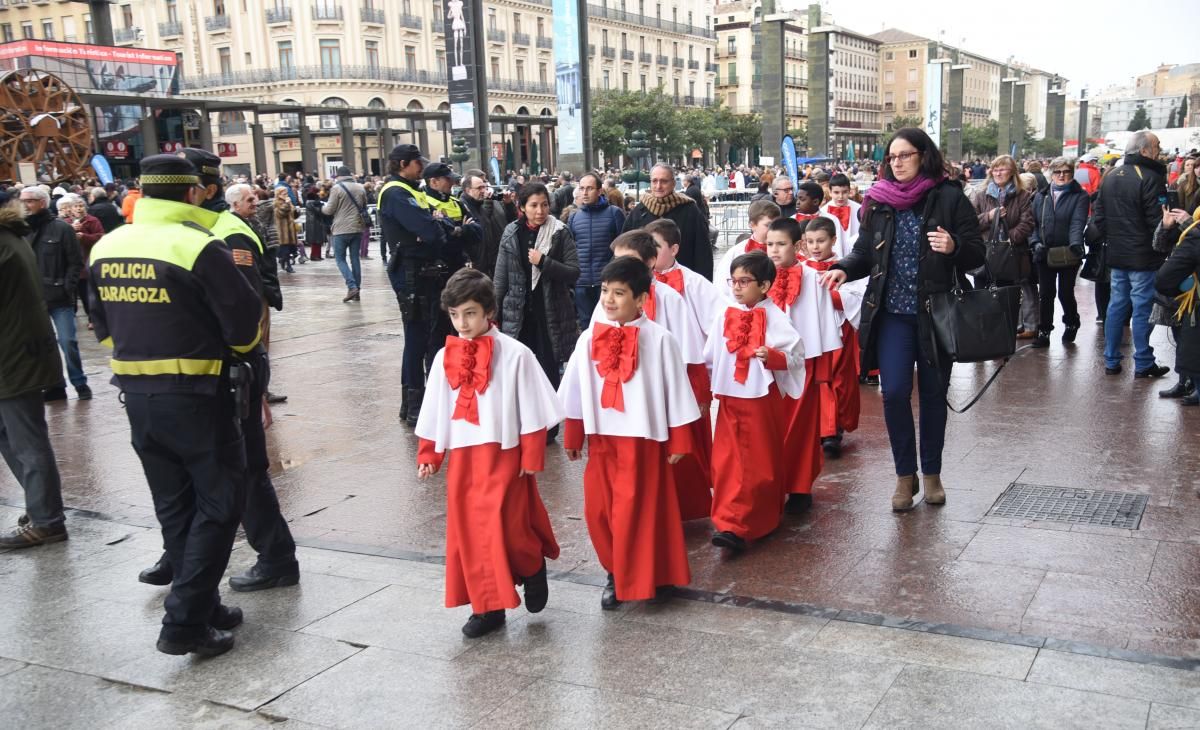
x=1056, y=191
x=786, y=287
x=614, y=350
x=650, y=308
x=745, y=331
x=545, y=239
x=468, y=366
x=672, y=278
x=901, y=195
x=659, y=207
x=994, y=191
x=842, y=213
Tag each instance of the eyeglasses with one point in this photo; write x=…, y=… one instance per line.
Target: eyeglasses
x=785, y=190
x=1061, y=172
x=740, y=282
x=900, y=156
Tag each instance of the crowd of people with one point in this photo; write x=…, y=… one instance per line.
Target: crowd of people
x=534, y=312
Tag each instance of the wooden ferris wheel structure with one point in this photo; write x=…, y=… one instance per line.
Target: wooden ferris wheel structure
x=43, y=123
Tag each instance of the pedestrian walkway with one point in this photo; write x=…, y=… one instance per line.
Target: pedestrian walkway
x=851, y=616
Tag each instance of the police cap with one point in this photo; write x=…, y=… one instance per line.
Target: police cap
x=168, y=170
x=440, y=169
x=206, y=163
x=407, y=153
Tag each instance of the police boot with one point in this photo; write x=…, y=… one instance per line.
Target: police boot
x=404, y=404
x=415, y=396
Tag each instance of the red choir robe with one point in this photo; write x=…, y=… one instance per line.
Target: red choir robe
x=840, y=404
x=489, y=404
x=848, y=225
x=748, y=446
x=625, y=390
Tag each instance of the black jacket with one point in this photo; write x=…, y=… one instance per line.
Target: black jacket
x=494, y=217
x=1183, y=262
x=108, y=214
x=562, y=198
x=29, y=358
x=316, y=224
x=693, y=191
x=560, y=271
x=1127, y=210
x=945, y=206
x=1058, y=224
x=268, y=266
x=695, y=252
x=59, y=257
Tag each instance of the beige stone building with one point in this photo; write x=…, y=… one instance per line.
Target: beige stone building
x=739, y=78
x=55, y=20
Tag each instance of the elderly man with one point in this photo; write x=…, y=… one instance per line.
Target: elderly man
x=60, y=261
x=784, y=194
x=1127, y=210
x=102, y=208
x=662, y=201
x=493, y=215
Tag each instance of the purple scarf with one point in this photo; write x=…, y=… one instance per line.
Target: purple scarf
x=900, y=195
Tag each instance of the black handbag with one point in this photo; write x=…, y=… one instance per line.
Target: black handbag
x=976, y=325
x=1095, y=266
x=1002, y=263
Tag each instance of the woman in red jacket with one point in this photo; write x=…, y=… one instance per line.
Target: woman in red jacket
x=88, y=229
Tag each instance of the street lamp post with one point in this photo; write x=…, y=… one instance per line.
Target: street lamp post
x=638, y=149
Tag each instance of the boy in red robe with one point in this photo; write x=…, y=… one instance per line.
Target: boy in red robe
x=839, y=397
x=489, y=403
x=625, y=388
x=842, y=207
x=753, y=354
x=807, y=306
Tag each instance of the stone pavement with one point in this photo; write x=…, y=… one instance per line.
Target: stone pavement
x=849, y=617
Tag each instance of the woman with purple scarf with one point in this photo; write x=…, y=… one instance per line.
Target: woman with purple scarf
x=918, y=233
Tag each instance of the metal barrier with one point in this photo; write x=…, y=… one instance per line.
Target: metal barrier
x=731, y=220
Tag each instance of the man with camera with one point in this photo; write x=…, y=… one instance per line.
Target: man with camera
x=493, y=210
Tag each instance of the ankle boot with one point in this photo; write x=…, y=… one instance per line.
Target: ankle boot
x=934, y=493
x=906, y=488
x=1179, y=390
x=415, y=396
x=404, y=404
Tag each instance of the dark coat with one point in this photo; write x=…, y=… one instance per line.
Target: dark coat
x=1018, y=221
x=560, y=271
x=108, y=214
x=1059, y=224
x=693, y=191
x=29, y=358
x=316, y=224
x=1183, y=262
x=594, y=228
x=493, y=217
x=945, y=206
x=561, y=199
x=695, y=251
x=1127, y=210
x=59, y=258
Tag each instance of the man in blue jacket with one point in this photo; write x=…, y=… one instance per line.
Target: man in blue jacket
x=594, y=227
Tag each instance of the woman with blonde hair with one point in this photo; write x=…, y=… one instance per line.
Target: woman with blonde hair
x=1188, y=186
x=1005, y=209
x=285, y=224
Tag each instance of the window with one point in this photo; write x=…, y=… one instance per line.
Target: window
x=495, y=67
x=604, y=37
x=410, y=58
x=491, y=20
x=48, y=28
x=27, y=29
x=516, y=22
x=606, y=74
x=520, y=71
x=87, y=28
x=911, y=96
x=912, y=53
x=889, y=56
x=225, y=61
x=218, y=7
x=172, y=11
x=6, y=32
x=624, y=42
x=889, y=77
x=373, y=55
x=732, y=45
x=541, y=27
x=331, y=58
x=286, y=60
x=332, y=121
x=643, y=83
x=440, y=58
x=625, y=81
x=912, y=75
x=69, y=29
x=543, y=73
x=127, y=15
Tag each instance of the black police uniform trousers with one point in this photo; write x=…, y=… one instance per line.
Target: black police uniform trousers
x=425, y=324
x=194, y=458
x=266, y=529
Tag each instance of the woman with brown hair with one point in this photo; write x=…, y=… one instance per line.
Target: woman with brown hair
x=284, y=214
x=1188, y=186
x=1005, y=208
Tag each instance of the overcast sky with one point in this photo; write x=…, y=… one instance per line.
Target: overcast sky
x=1094, y=43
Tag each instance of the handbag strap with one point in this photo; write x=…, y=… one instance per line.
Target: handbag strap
x=362, y=208
x=988, y=384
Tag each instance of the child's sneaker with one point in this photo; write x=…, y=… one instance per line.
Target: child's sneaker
x=483, y=623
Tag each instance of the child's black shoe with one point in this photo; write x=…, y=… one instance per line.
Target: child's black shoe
x=729, y=541
x=797, y=504
x=608, y=599
x=537, y=590
x=483, y=623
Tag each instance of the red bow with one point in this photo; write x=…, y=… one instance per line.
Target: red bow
x=806, y=216
x=614, y=350
x=672, y=278
x=786, y=287
x=468, y=364
x=820, y=265
x=745, y=332
x=650, y=308
x=842, y=213
x=752, y=245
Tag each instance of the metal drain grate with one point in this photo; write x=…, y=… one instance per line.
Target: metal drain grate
x=1076, y=506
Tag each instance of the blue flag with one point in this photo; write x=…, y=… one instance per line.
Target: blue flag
x=788, y=155
x=103, y=171
x=495, y=165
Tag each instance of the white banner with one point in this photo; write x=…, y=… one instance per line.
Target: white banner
x=933, y=102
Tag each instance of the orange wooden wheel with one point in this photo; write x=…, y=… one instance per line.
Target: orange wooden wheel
x=42, y=121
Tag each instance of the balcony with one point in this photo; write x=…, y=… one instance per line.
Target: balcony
x=689, y=101
x=326, y=11
x=170, y=29
x=677, y=62
x=125, y=35
x=412, y=22
x=889, y=106
x=375, y=16
x=711, y=68
x=693, y=65
x=662, y=60
x=795, y=54
x=795, y=111
x=279, y=15
x=439, y=25
x=730, y=80
x=608, y=52
x=644, y=57
x=626, y=54
x=910, y=106
x=796, y=81
x=520, y=39
x=520, y=86
x=645, y=21
x=495, y=35
x=216, y=23
x=544, y=41
x=314, y=73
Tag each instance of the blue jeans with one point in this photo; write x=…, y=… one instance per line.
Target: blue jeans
x=586, y=299
x=898, y=347
x=64, y=328
x=343, y=243
x=1131, y=291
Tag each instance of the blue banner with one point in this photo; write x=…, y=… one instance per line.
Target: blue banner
x=495, y=165
x=103, y=171
x=788, y=155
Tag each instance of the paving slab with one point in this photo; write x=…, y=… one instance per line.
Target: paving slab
x=1118, y=678
x=546, y=704
x=1062, y=552
x=1168, y=717
x=755, y=625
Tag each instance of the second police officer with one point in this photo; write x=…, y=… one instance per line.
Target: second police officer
x=424, y=248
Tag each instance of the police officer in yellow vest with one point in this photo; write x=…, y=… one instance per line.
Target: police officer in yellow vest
x=266, y=529
x=423, y=251
x=167, y=297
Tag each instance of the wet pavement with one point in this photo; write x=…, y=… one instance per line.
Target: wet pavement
x=870, y=617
